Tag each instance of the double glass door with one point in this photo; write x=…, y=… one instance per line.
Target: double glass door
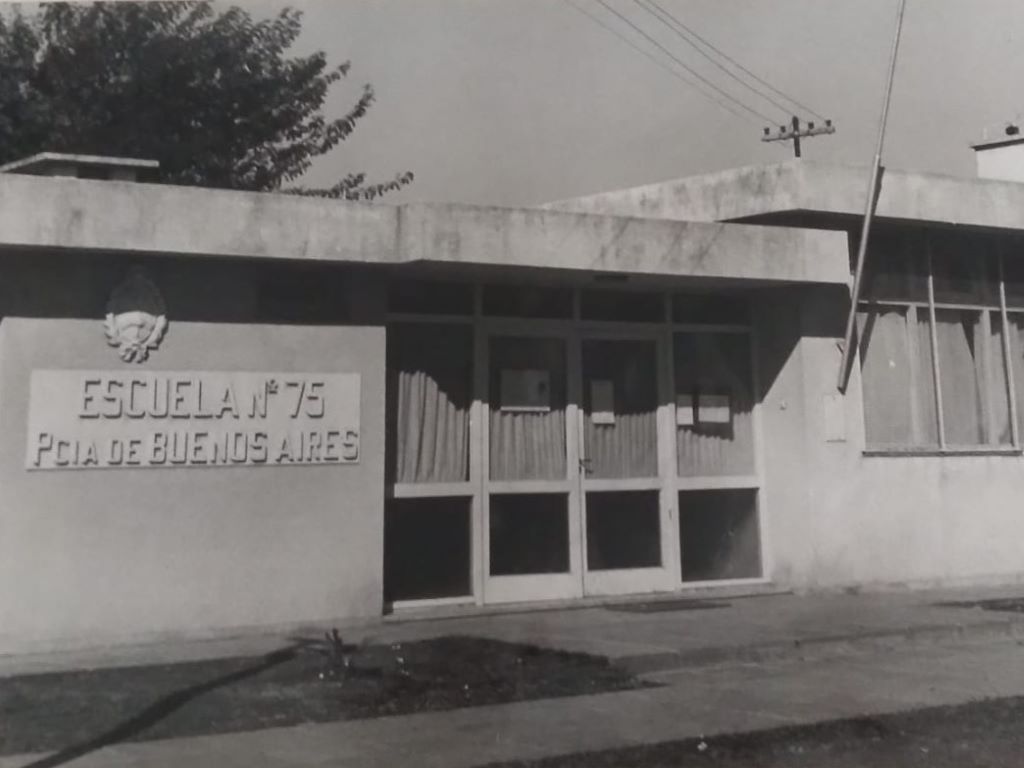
x=574, y=501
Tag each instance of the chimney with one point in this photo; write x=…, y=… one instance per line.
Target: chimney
x=1001, y=157
x=85, y=167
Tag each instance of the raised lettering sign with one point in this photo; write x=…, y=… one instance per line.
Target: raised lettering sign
x=102, y=419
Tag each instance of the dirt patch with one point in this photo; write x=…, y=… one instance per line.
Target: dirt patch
x=82, y=711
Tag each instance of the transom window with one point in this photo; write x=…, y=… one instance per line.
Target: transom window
x=941, y=325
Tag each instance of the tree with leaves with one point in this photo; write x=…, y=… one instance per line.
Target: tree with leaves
x=214, y=96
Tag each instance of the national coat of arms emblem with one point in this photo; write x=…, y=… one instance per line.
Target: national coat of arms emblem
x=136, y=318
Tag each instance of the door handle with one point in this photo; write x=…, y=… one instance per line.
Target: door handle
x=585, y=467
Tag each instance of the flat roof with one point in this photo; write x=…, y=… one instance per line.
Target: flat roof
x=41, y=212
x=1002, y=141
x=824, y=193
x=43, y=159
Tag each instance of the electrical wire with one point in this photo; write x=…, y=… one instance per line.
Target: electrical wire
x=693, y=84
x=733, y=61
x=656, y=11
x=683, y=64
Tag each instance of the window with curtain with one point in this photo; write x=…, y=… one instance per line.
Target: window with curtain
x=527, y=443
x=625, y=443
x=714, y=367
x=932, y=312
x=429, y=393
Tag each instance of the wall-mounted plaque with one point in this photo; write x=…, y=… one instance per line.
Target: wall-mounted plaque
x=714, y=409
x=684, y=409
x=602, y=401
x=526, y=390
x=100, y=419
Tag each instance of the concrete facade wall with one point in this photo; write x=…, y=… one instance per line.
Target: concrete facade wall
x=107, y=555
x=821, y=190
x=835, y=517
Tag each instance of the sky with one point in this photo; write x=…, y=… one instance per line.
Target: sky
x=520, y=102
x=517, y=102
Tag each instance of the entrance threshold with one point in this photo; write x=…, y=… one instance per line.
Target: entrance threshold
x=433, y=610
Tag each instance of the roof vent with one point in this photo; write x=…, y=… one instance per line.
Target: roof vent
x=1001, y=156
x=85, y=167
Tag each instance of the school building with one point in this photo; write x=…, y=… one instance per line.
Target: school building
x=223, y=411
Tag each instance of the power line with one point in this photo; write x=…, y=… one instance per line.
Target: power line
x=597, y=20
x=683, y=36
x=683, y=64
x=733, y=61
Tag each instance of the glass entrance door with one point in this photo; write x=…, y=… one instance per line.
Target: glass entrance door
x=531, y=525
x=625, y=508
x=575, y=498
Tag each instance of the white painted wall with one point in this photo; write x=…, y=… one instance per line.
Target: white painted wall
x=835, y=517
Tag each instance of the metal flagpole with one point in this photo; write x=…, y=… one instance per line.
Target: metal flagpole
x=869, y=211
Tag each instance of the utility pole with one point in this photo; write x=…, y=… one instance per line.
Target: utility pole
x=794, y=133
x=874, y=184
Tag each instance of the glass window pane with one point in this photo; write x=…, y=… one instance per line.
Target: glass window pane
x=620, y=436
x=998, y=397
x=714, y=404
x=428, y=398
x=961, y=372
x=426, y=548
x=622, y=306
x=527, y=443
x=1017, y=359
x=711, y=309
x=895, y=266
x=963, y=269
x=623, y=530
x=719, y=535
x=897, y=378
x=430, y=297
x=529, y=533
x=527, y=301
x=1013, y=273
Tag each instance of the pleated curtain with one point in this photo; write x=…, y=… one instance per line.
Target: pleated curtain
x=528, y=445
x=429, y=378
x=629, y=446
x=716, y=364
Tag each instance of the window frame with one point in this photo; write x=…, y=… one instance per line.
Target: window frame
x=994, y=254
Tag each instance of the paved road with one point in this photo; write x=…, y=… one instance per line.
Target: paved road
x=688, y=702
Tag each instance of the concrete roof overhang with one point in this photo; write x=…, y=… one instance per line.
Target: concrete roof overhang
x=75, y=214
x=815, y=194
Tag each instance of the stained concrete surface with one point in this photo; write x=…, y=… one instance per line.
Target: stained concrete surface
x=694, y=701
x=755, y=627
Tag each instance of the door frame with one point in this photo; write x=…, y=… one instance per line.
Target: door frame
x=649, y=578
x=477, y=487
x=579, y=581
x=542, y=586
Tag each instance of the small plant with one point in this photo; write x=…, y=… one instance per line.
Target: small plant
x=337, y=657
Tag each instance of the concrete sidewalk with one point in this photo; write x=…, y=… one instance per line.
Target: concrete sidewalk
x=691, y=702
x=661, y=633
x=737, y=664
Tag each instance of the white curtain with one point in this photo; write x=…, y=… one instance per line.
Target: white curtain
x=627, y=447
x=715, y=364
x=897, y=379
x=429, y=378
x=959, y=340
x=528, y=445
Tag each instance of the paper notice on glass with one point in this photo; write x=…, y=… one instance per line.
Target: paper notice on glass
x=714, y=409
x=602, y=401
x=526, y=390
x=684, y=409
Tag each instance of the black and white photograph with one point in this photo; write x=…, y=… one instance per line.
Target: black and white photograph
x=512, y=384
